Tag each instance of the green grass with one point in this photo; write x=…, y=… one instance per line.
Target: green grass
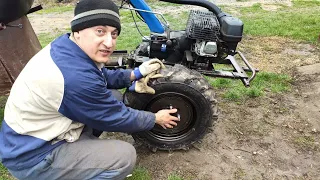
x=239, y=174
x=158, y=5
x=4, y=173
x=46, y=38
x=130, y=37
x=305, y=143
x=140, y=173
x=174, y=176
x=3, y=100
x=177, y=21
x=300, y=22
x=263, y=82
x=1, y=115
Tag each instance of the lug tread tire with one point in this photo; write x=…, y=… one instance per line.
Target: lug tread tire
x=178, y=74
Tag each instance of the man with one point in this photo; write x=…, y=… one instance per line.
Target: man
x=62, y=94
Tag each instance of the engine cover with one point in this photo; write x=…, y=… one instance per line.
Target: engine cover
x=202, y=25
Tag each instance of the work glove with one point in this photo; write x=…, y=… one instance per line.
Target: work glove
x=152, y=70
x=141, y=85
x=148, y=67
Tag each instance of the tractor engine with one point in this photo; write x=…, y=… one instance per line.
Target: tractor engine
x=205, y=40
x=203, y=28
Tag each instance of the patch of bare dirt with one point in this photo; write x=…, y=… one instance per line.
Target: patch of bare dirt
x=278, y=54
x=274, y=137
x=47, y=23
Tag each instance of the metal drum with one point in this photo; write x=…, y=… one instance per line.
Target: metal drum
x=18, y=41
x=11, y=10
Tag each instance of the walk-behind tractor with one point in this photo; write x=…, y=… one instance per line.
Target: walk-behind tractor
x=209, y=39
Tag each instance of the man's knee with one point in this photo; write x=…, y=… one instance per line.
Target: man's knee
x=129, y=156
x=126, y=159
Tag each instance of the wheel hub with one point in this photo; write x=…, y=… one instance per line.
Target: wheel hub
x=186, y=112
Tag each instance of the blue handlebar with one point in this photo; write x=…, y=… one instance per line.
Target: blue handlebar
x=151, y=19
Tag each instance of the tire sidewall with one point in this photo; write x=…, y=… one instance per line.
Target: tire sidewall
x=199, y=102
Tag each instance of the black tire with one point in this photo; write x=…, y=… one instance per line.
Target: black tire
x=191, y=94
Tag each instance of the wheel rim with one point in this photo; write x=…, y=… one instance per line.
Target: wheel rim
x=186, y=111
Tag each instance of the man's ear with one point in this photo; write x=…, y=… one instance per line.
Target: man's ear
x=76, y=35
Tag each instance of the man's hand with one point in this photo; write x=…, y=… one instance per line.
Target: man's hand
x=165, y=119
x=141, y=85
x=148, y=67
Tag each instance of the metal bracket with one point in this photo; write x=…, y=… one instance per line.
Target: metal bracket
x=237, y=73
x=15, y=25
x=253, y=70
x=4, y=26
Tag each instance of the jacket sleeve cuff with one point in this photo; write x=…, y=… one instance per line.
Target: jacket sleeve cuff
x=152, y=118
x=137, y=73
x=146, y=120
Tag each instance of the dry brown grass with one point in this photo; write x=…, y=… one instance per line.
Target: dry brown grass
x=278, y=54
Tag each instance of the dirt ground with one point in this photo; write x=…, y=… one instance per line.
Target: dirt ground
x=270, y=137
x=273, y=137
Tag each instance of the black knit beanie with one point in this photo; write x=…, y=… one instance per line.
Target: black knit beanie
x=90, y=13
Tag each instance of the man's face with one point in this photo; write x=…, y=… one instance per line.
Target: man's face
x=97, y=42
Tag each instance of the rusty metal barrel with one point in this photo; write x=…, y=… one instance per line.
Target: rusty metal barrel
x=18, y=41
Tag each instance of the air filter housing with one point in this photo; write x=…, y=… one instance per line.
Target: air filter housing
x=202, y=25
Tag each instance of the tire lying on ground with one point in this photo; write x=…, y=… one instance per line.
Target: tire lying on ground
x=189, y=92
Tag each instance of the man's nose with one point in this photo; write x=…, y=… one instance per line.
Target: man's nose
x=108, y=40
